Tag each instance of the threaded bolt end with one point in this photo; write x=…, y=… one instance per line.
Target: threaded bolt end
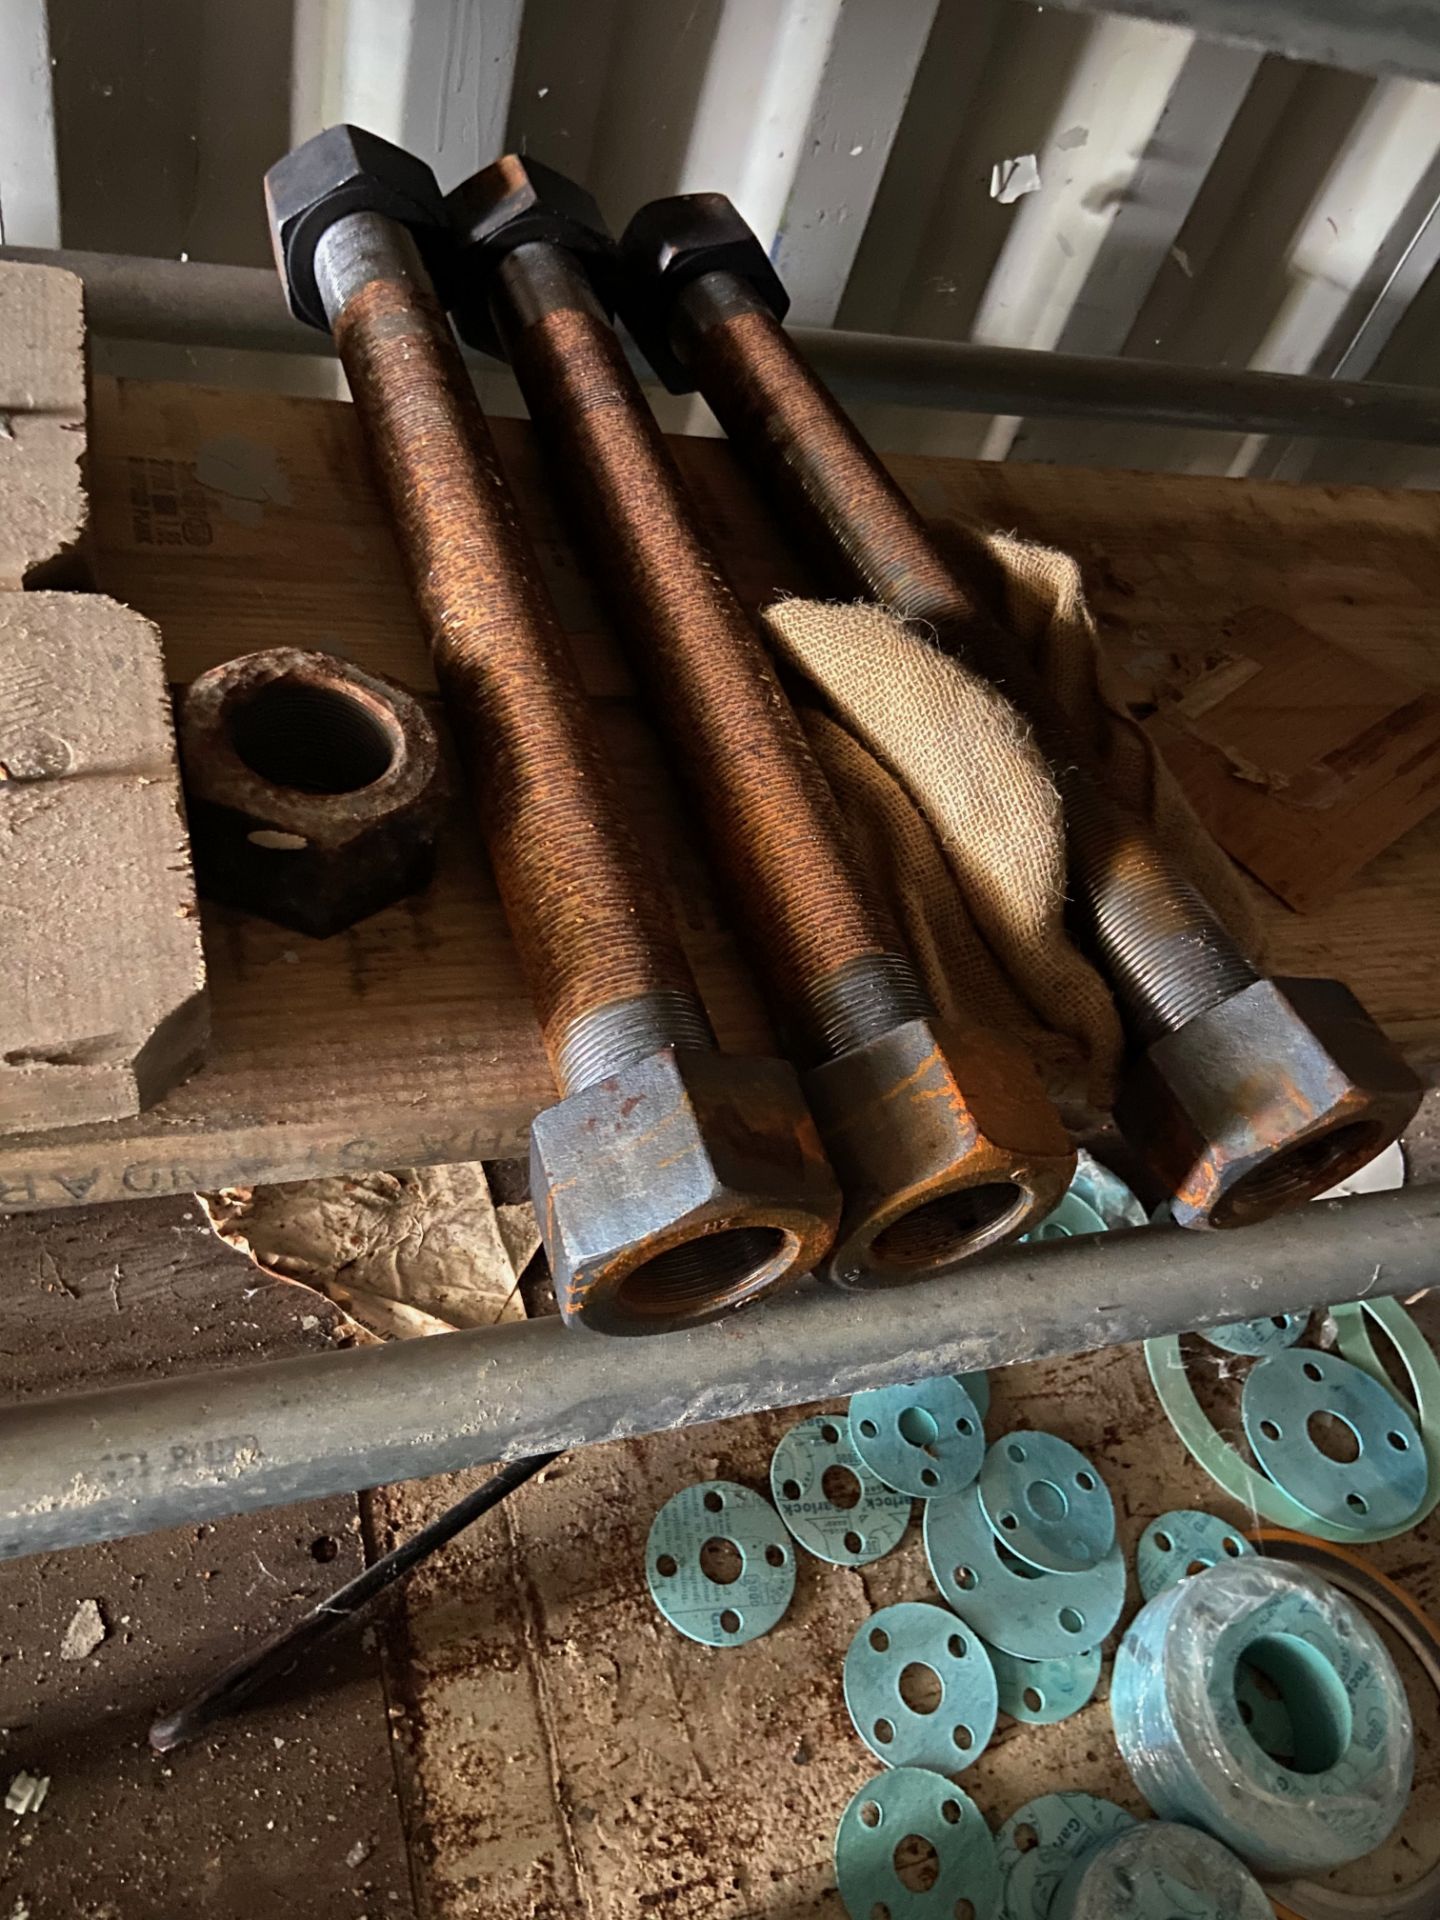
x=863, y=999
x=614, y=1037
x=1167, y=955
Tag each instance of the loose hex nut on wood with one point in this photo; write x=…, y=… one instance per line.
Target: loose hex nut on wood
x=314, y=790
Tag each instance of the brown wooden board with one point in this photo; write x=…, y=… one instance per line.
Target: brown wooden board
x=241, y=520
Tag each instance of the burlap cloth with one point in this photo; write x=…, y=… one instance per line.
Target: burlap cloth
x=954, y=812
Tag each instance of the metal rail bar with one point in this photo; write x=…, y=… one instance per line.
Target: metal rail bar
x=129, y=1459
x=128, y=297
x=1369, y=36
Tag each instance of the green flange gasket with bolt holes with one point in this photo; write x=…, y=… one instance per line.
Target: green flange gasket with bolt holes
x=924, y=1651
x=1041, y=1841
x=1159, y=1871
x=1240, y=1480
x=1182, y=1542
x=1252, y=1339
x=1381, y=1486
x=1035, y=1616
x=927, y=1440
x=850, y=1536
x=1047, y=1503
x=719, y=1613
x=1042, y=1692
x=910, y=1804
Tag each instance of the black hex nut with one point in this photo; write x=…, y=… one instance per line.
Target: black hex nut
x=345, y=170
x=506, y=205
x=668, y=244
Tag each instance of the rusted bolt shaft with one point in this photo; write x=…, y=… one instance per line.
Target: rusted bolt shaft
x=1166, y=954
x=599, y=950
x=1245, y=1095
x=671, y=1182
x=772, y=820
x=944, y=1141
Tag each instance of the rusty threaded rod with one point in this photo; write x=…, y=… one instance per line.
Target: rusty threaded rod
x=829, y=946
x=1167, y=955
x=597, y=944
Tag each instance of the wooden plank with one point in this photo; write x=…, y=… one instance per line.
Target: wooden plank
x=241, y=520
x=1304, y=760
x=43, y=513
x=99, y=941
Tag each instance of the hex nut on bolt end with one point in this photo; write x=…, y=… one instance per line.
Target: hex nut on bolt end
x=673, y=241
x=340, y=171
x=509, y=204
x=678, y=1188
x=944, y=1142
x=314, y=790
x=1273, y=1096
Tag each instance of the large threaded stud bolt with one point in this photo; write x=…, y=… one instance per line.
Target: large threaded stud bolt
x=672, y=1182
x=1246, y=1096
x=943, y=1140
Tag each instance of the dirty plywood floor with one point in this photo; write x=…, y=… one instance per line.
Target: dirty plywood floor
x=290, y=1810
x=533, y=1742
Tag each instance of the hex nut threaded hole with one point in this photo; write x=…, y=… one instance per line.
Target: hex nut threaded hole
x=946, y=1228
x=1298, y=1173
x=702, y=1273
x=312, y=738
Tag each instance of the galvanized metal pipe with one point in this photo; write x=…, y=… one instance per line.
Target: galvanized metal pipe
x=129, y=1459
x=200, y=304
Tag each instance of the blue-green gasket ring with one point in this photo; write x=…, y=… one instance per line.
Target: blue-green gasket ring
x=912, y=1800
x=1251, y=1489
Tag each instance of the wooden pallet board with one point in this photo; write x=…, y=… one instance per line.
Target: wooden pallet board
x=239, y=521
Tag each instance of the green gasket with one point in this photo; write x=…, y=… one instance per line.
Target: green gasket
x=1158, y=1870
x=845, y=1536
x=719, y=1613
x=1382, y=1486
x=1042, y=1692
x=1107, y=1193
x=1182, y=1542
x=888, y=1808
x=945, y=1737
x=1046, y=1501
x=1240, y=1480
x=1071, y=1219
x=1041, y=1841
x=927, y=1440
x=1254, y=1338
x=1035, y=1616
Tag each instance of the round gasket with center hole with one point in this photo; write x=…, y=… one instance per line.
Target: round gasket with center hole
x=1042, y=1692
x=1036, y=1616
x=927, y=1440
x=894, y=1807
x=1233, y=1475
x=920, y=1649
x=1157, y=1870
x=1383, y=1485
x=719, y=1613
x=1182, y=1542
x=1047, y=1502
x=1041, y=1842
x=846, y=1536
x=1256, y=1338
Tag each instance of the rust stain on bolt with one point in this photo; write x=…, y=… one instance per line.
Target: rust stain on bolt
x=314, y=789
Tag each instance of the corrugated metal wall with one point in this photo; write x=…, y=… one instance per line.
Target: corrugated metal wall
x=1196, y=201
